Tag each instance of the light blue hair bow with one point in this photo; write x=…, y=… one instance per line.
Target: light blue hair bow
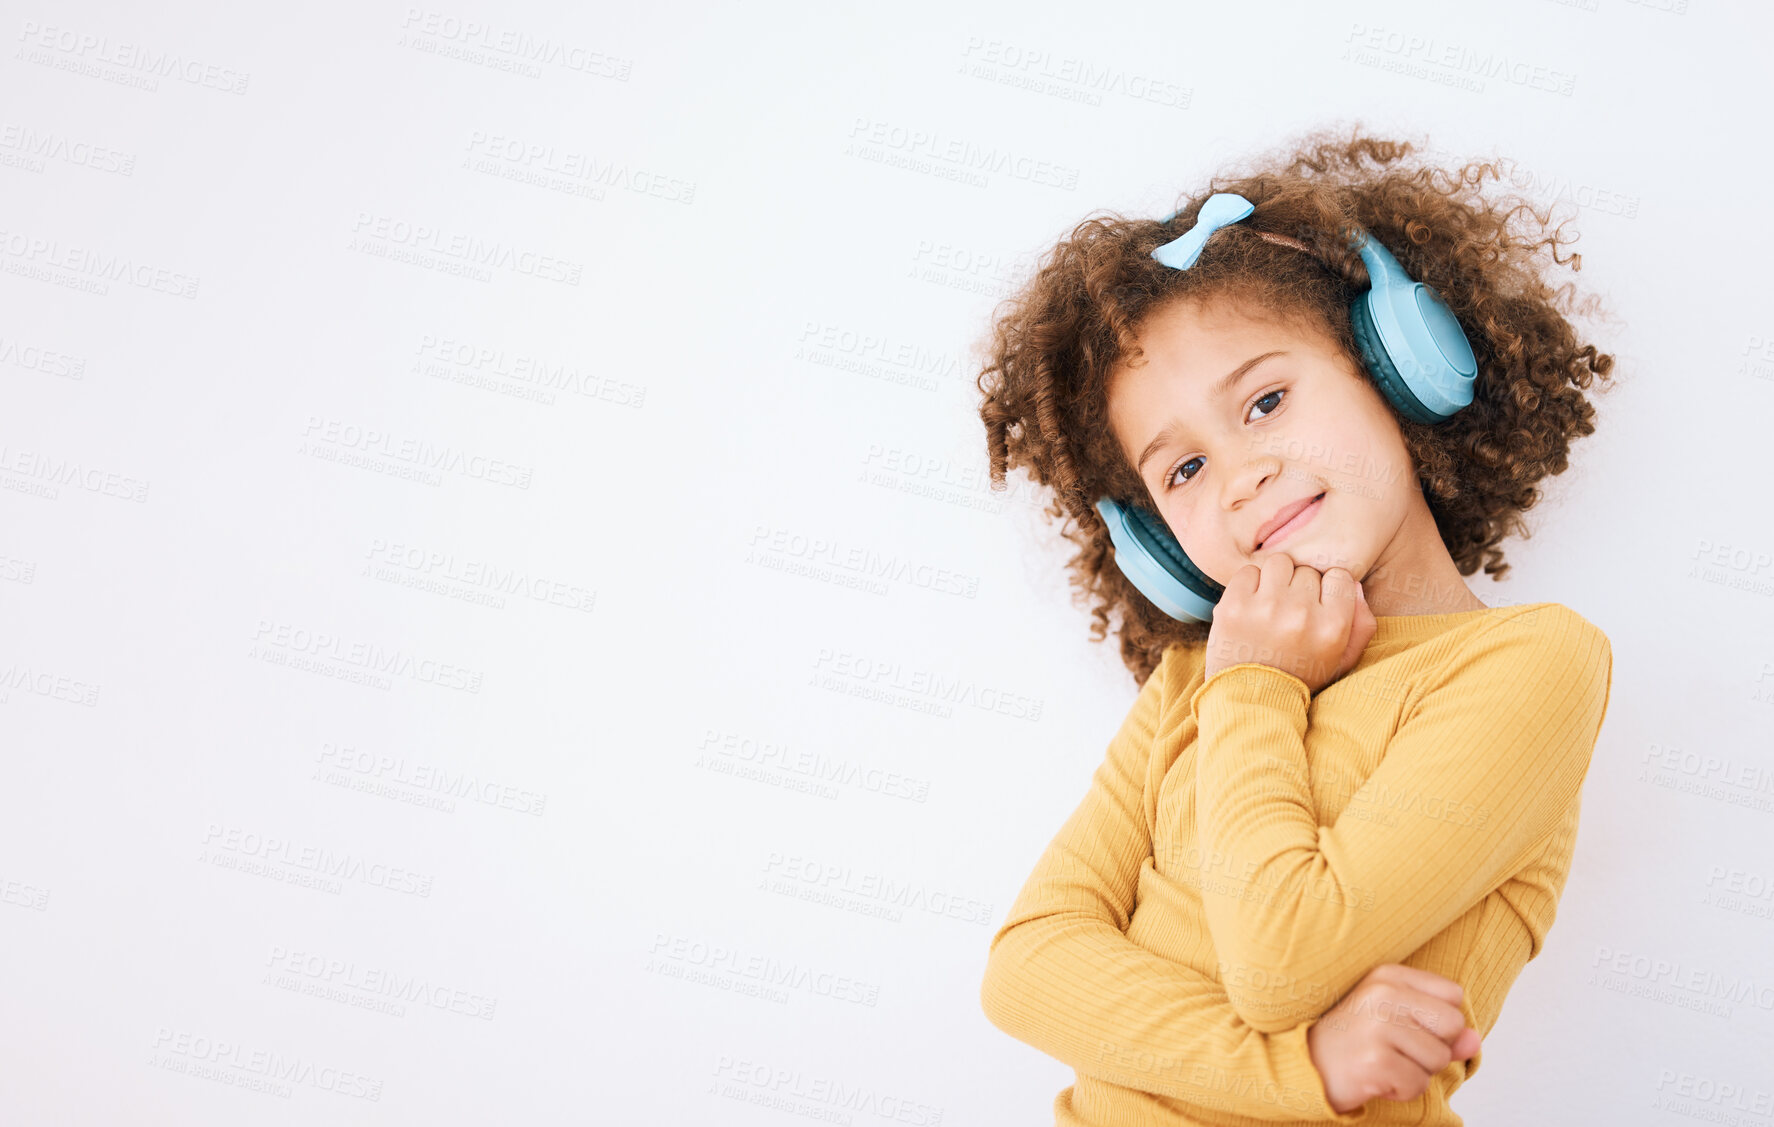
x=1220, y=209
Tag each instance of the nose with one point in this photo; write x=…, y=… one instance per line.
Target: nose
x=1243, y=483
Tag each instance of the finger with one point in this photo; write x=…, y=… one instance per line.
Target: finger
x=1424, y=1049
x=1344, y=608
x=1467, y=1044
x=1306, y=581
x=1437, y=985
x=1339, y=588
x=1245, y=580
x=1277, y=572
x=1398, y=1076
x=1417, y=1010
x=1352, y=651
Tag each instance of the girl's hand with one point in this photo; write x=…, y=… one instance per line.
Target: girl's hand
x=1286, y=615
x=1389, y=1035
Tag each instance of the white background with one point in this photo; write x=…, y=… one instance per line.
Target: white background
x=382, y=408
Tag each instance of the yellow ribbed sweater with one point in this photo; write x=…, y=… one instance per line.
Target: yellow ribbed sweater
x=1247, y=852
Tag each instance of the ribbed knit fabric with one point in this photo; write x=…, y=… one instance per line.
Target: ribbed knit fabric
x=1247, y=852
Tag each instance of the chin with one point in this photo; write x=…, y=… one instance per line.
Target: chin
x=1320, y=555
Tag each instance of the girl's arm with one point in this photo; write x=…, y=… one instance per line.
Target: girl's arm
x=1486, y=766
x=1063, y=977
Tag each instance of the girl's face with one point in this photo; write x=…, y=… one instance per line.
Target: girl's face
x=1231, y=419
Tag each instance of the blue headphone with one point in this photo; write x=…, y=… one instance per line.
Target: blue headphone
x=1410, y=342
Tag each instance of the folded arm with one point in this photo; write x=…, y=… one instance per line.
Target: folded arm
x=1062, y=976
x=1477, y=776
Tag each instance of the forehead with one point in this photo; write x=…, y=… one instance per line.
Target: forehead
x=1187, y=345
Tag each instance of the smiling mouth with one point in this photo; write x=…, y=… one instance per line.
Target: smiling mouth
x=1295, y=522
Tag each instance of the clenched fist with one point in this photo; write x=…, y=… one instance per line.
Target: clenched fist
x=1289, y=616
x=1389, y=1036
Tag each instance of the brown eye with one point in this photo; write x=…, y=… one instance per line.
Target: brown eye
x=1271, y=395
x=1171, y=481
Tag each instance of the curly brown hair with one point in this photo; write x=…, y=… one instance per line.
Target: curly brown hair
x=1054, y=343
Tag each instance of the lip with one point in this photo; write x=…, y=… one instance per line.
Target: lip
x=1284, y=521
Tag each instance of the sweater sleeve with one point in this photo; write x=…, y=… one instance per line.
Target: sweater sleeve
x=1061, y=974
x=1476, y=776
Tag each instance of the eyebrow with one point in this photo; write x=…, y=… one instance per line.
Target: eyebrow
x=1215, y=393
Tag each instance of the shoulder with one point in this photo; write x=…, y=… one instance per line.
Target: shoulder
x=1540, y=644
x=1537, y=671
x=1542, y=627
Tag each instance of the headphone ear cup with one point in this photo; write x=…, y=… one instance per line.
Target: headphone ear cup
x=1152, y=560
x=1379, y=364
x=1155, y=536
x=1411, y=341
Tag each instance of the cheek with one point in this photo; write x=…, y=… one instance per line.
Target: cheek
x=1364, y=461
x=1182, y=524
x=1202, y=536
x=1384, y=466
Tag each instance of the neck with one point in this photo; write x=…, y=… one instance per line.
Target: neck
x=1415, y=574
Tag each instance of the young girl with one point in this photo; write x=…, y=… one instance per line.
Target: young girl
x=1337, y=820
